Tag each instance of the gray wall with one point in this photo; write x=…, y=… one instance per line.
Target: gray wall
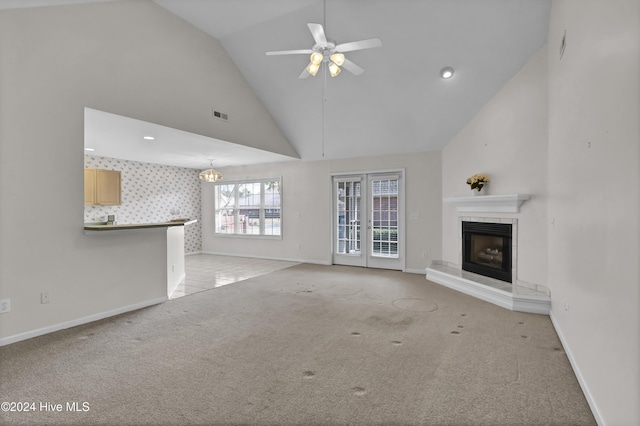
x=507, y=141
x=130, y=58
x=594, y=188
x=307, y=204
x=566, y=130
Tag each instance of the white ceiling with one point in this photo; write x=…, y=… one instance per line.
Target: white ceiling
x=399, y=104
x=115, y=136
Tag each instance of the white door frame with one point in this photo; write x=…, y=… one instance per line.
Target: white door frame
x=365, y=257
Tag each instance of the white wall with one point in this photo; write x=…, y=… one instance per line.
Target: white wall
x=594, y=188
x=303, y=192
x=131, y=58
x=175, y=257
x=151, y=193
x=307, y=208
x=507, y=141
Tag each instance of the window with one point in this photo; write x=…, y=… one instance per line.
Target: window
x=249, y=208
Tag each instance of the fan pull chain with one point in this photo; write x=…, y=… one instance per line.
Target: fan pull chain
x=324, y=101
x=324, y=74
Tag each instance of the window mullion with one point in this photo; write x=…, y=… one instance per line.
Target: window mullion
x=242, y=201
x=262, y=208
x=236, y=211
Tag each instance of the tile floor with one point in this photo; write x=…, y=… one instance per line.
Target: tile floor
x=207, y=271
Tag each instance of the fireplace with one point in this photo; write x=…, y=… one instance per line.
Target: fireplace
x=486, y=249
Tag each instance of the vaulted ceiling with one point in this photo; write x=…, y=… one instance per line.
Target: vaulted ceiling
x=400, y=103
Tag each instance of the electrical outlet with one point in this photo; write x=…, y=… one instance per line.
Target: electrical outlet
x=44, y=297
x=5, y=306
x=566, y=310
x=424, y=254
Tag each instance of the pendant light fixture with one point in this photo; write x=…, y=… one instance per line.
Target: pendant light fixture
x=210, y=175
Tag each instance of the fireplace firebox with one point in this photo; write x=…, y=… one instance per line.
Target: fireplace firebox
x=486, y=249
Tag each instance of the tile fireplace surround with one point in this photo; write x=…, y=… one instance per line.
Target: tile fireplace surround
x=517, y=296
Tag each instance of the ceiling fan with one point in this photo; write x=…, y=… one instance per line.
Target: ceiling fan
x=327, y=52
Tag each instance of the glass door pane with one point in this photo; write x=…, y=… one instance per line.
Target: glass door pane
x=348, y=198
x=349, y=217
x=385, y=215
x=384, y=208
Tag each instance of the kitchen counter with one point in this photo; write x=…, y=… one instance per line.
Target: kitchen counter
x=172, y=232
x=176, y=222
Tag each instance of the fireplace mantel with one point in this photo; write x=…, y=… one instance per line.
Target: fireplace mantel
x=509, y=203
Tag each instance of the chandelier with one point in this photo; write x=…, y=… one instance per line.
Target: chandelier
x=210, y=175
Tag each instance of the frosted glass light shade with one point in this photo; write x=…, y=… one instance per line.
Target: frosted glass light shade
x=338, y=59
x=313, y=68
x=316, y=58
x=334, y=70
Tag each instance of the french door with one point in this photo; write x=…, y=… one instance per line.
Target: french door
x=368, y=220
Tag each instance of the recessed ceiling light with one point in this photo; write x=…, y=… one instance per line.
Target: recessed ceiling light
x=149, y=138
x=89, y=149
x=446, y=72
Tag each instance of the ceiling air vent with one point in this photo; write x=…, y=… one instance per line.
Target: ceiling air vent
x=220, y=115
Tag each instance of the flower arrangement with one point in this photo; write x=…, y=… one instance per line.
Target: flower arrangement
x=478, y=181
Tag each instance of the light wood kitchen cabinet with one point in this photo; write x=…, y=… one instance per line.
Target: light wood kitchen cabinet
x=101, y=187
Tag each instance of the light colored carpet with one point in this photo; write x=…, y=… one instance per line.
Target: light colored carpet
x=305, y=345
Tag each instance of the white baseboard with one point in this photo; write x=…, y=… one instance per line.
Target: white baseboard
x=576, y=370
x=84, y=320
x=284, y=259
x=175, y=285
x=414, y=271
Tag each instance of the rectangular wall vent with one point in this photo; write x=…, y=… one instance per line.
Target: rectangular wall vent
x=220, y=115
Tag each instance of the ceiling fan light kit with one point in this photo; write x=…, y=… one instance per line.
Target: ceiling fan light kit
x=327, y=52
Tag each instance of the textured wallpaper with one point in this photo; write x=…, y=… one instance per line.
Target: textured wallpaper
x=152, y=193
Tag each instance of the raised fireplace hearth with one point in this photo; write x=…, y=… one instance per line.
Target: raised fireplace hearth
x=486, y=249
x=493, y=249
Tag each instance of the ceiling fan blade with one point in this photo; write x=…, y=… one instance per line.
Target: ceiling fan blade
x=304, y=73
x=318, y=33
x=351, y=67
x=359, y=45
x=290, y=52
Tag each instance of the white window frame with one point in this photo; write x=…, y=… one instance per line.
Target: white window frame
x=236, y=207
